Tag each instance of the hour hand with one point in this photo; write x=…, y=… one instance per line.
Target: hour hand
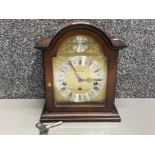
x=91, y=80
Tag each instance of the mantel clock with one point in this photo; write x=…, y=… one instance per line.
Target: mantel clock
x=80, y=64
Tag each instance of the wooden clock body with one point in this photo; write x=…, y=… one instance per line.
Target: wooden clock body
x=82, y=112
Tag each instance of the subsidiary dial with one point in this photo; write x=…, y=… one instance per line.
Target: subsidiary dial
x=80, y=43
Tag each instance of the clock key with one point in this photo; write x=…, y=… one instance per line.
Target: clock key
x=44, y=127
x=51, y=125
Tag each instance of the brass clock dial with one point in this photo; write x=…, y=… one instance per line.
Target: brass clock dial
x=80, y=79
x=80, y=71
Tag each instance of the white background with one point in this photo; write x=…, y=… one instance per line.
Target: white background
x=75, y=9
x=79, y=9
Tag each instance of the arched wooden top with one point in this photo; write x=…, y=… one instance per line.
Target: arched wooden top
x=48, y=42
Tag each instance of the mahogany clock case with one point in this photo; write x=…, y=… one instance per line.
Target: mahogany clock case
x=83, y=112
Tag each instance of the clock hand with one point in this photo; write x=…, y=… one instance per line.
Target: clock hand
x=90, y=80
x=69, y=62
x=78, y=77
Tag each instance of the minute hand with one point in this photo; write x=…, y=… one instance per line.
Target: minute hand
x=69, y=62
x=78, y=77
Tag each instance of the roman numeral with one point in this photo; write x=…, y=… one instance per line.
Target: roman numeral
x=89, y=94
x=96, y=88
x=64, y=83
x=97, y=70
x=89, y=62
x=70, y=95
x=79, y=97
x=80, y=61
x=63, y=89
x=61, y=70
